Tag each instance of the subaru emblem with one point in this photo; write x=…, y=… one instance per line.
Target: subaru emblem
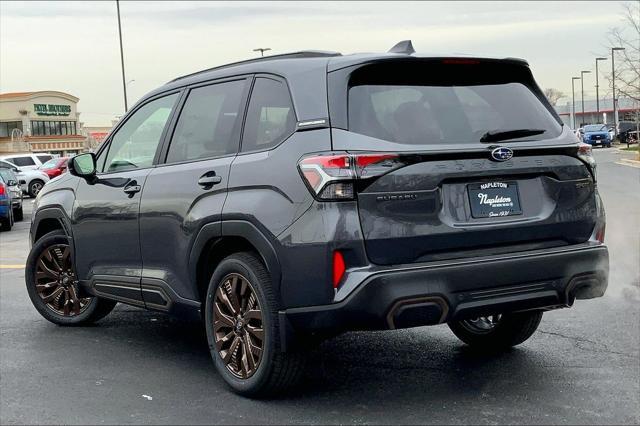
x=502, y=154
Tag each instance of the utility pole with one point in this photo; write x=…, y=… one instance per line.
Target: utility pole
x=261, y=50
x=613, y=90
x=582, y=73
x=124, y=81
x=598, y=85
x=573, y=103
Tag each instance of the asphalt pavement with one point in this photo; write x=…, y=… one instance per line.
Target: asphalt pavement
x=581, y=367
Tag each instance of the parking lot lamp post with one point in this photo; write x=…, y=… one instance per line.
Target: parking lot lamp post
x=582, y=73
x=261, y=50
x=124, y=80
x=598, y=85
x=613, y=90
x=573, y=101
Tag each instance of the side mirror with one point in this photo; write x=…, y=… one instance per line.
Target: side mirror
x=12, y=182
x=83, y=165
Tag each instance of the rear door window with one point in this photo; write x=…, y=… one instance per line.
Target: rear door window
x=270, y=117
x=44, y=158
x=442, y=105
x=208, y=123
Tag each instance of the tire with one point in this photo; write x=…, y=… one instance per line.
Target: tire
x=509, y=330
x=6, y=224
x=35, y=186
x=89, y=309
x=18, y=214
x=276, y=371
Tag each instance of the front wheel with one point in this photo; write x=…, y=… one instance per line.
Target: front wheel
x=242, y=327
x=18, y=214
x=53, y=287
x=497, y=332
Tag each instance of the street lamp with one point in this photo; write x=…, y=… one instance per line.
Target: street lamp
x=598, y=84
x=613, y=90
x=124, y=84
x=573, y=103
x=582, y=73
x=261, y=50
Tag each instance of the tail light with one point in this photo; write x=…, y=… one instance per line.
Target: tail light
x=2, y=190
x=332, y=176
x=585, y=153
x=600, y=234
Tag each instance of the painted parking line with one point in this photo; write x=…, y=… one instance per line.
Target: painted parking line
x=12, y=266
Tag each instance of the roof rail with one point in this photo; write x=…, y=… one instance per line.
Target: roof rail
x=292, y=55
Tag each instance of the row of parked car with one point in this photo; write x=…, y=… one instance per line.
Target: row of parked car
x=24, y=174
x=603, y=134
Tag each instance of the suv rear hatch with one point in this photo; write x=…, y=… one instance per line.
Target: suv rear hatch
x=475, y=160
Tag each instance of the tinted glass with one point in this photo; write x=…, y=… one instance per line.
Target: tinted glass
x=22, y=161
x=134, y=145
x=270, y=117
x=442, y=104
x=51, y=164
x=8, y=175
x=207, y=123
x=44, y=158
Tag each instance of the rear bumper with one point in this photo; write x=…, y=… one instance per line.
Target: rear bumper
x=444, y=291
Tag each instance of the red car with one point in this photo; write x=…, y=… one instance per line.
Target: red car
x=55, y=166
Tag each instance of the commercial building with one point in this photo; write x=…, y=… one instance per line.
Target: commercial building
x=597, y=112
x=44, y=121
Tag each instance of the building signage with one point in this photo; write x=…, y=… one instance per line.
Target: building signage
x=50, y=109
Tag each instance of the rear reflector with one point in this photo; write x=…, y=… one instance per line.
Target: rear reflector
x=338, y=268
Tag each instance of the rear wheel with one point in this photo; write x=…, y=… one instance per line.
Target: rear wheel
x=242, y=327
x=7, y=223
x=497, y=332
x=35, y=186
x=53, y=287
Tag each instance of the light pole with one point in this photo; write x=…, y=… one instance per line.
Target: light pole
x=582, y=73
x=573, y=103
x=598, y=85
x=613, y=90
x=261, y=50
x=124, y=84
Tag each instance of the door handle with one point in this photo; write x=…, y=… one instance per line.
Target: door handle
x=209, y=179
x=132, y=189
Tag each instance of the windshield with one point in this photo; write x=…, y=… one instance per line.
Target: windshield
x=7, y=175
x=51, y=164
x=596, y=128
x=445, y=105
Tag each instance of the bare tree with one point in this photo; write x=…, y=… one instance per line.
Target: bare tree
x=554, y=95
x=627, y=60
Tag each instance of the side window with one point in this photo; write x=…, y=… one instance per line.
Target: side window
x=207, y=123
x=44, y=158
x=22, y=161
x=134, y=145
x=270, y=117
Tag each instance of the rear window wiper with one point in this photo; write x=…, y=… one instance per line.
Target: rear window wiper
x=502, y=135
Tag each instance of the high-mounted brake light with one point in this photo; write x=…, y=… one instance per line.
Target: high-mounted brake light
x=331, y=176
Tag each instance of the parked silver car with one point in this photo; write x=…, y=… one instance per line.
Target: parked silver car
x=31, y=181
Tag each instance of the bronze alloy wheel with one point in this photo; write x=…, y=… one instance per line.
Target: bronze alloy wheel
x=56, y=282
x=482, y=324
x=237, y=326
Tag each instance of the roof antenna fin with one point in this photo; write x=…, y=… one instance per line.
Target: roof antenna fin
x=404, y=46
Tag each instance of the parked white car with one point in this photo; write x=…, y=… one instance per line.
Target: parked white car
x=27, y=161
x=31, y=181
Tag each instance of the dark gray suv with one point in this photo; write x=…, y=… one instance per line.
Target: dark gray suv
x=289, y=198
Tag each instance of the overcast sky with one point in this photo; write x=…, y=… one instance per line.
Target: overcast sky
x=73, y=47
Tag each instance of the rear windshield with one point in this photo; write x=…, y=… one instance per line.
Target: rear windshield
x=444, y=104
